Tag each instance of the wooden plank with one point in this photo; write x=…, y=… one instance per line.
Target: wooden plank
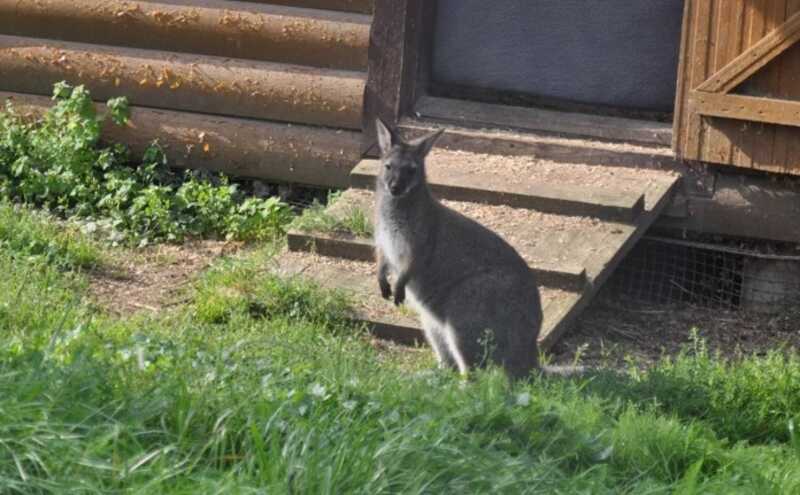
x=725, y=34
x=493, y=189
x=212, y=27
x=357, y=280
x=765, y=83
x=743, y=206
x=192, y=83
x=556, y=274
x=603, y=261
x=702, y=20
x=473, y=113
x=240, y=147
x=567, y=150
x=338, y=245
x=683, y=76
x=749, y=108
x=756, y=57
x=391, y=64
x=790, y=90
x=749, y=141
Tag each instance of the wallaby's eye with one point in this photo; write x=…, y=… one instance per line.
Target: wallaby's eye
x=387, y=166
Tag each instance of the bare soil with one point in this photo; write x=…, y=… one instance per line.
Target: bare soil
x=612, y=330
x=154, y=278
x=610, y=333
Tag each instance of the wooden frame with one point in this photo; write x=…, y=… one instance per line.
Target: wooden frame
x=399, y=68
x=398, y=62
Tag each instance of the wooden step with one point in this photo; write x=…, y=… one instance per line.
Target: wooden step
x=545, y=241
x=192, y=83
x=464, y=112
x=561, y=275
x=221, y=28
x=563, y=189
x=358, y=280
x=593, y=247
x=505, y=142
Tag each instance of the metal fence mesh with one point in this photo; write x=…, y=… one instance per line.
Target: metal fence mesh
x=667, y=271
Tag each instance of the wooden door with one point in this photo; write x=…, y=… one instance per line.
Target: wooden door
x=738, y=97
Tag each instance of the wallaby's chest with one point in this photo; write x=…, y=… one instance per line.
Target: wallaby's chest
x=393, y=238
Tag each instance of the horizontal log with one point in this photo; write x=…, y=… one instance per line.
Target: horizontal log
x=210, y=27
x=186, y=82
x=362, y=6
x=239, y=147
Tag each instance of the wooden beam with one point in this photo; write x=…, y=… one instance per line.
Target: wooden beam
x=697, y=67
x=385, y=59
x=397, y=55
x=472, y=113
x=754, y=58
x=749, y=108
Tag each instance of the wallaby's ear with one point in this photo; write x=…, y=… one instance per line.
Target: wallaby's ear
x=386, y=138
x=424, y=144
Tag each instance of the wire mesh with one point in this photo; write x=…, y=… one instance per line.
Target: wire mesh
x=668, y=271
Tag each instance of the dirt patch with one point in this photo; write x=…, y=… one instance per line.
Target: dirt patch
x=153, y=278
x=611, y=331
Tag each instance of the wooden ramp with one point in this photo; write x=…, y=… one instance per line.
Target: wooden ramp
x=573, y=223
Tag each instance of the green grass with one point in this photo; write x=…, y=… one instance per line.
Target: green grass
x=260, y=385
x=30, y=233
x=351, y=220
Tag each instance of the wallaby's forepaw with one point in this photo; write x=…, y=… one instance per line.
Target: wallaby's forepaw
x=386, y=289
x=399, y=295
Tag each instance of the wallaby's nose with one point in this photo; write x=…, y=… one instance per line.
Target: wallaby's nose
x=395, y=189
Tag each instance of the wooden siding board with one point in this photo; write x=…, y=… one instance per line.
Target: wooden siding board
x=683, y=64
x=786, y=138
x=716, y=147
x=755, y=30
x=698, y=56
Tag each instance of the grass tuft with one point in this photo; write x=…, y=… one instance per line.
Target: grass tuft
x=351, y=220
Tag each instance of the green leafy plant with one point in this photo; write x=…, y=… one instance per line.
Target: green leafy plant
x=57, y=162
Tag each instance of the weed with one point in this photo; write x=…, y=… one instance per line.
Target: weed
x=57, y=163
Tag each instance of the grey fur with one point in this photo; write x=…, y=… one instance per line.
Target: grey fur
x=463, y=279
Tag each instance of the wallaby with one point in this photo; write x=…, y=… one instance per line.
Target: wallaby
x=477, y=298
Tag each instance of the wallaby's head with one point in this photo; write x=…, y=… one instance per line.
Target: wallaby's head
x=402, y=162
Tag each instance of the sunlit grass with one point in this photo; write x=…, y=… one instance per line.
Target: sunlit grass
x=261, y=385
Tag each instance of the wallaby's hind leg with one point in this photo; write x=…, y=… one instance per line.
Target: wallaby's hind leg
x=435, y=337
x=484, y=335
x=443, y=354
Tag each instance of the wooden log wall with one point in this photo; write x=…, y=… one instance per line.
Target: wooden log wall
x=277, y=85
